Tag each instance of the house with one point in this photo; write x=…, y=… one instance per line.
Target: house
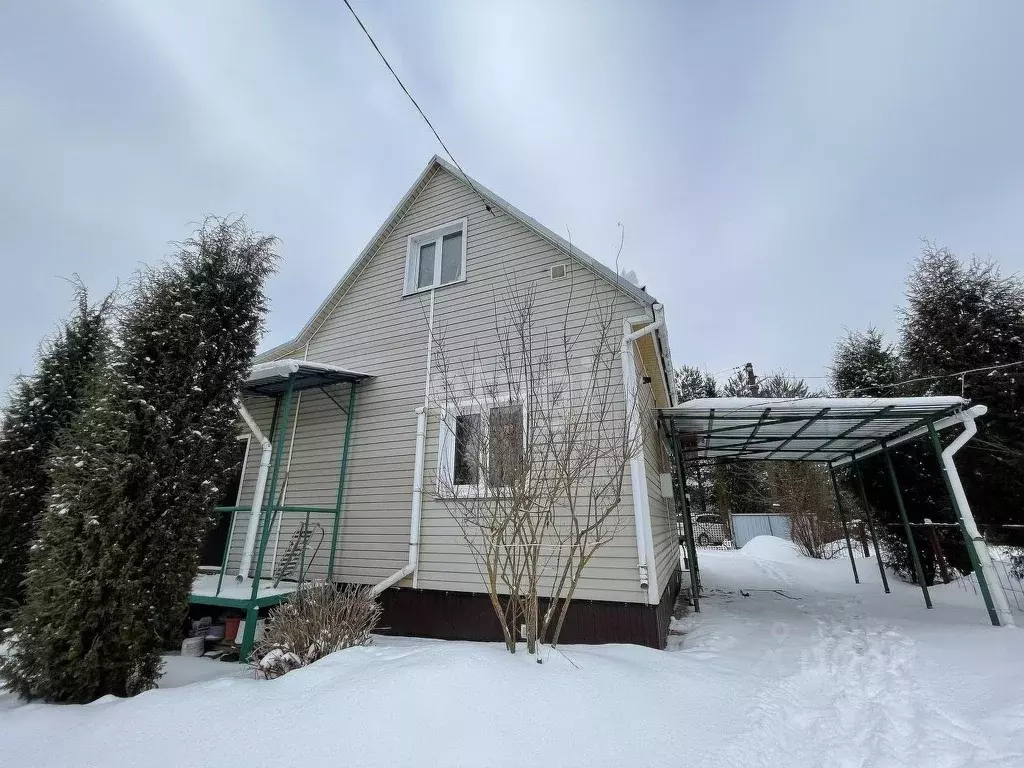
x=352, y=445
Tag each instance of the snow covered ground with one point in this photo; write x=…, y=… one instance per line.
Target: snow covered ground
x=804, y=669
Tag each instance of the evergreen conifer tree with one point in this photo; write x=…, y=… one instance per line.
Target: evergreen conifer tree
x=958, y=316
x=692, y=383
x=40, y=407
x=864, y=365
x=135, y=477
x=961, y=316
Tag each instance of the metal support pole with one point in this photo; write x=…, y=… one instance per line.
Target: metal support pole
x=871, y=524
x=972, y=553
x=846, y=527
x=224, y=555
x=252, y=611
x=274, y=502
x=349, y=416
x=914, y=556
x=684, y=507
x=252, y=615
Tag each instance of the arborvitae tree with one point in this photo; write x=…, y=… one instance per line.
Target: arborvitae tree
x=40, y=407
x=135, y=477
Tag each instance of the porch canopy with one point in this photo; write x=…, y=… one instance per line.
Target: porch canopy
x=273, y=378
x=835, y=431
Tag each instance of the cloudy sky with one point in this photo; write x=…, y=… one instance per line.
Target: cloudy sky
x=774, y=165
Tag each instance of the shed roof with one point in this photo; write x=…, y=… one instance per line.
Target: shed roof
x=272, y=378
x=807, y=429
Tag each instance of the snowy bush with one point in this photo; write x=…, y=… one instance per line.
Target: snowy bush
x=320, y=619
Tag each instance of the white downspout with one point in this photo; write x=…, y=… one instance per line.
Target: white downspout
x=417, y=503
x=995, y=587
x=257, y=497
x=637, y=471
x=411, y=568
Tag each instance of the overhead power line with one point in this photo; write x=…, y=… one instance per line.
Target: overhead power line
x=919, y=379
x=956, y=375
x=419, y=109
x=765, y=402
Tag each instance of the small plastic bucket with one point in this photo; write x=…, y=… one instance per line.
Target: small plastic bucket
x=231, y=627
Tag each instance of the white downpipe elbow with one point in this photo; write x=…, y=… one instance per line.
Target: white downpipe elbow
x=995, y=587
x=257, y=497
x=417, y=508
x=647, y=573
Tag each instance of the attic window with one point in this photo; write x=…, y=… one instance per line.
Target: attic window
x=436, y=257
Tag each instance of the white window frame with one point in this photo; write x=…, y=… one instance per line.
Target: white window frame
x=446, y=448
x=412, y=255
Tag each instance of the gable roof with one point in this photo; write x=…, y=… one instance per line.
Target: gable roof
x=437, y=163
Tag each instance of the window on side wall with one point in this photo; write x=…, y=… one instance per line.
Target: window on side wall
x=481, y=452
x=436, y=257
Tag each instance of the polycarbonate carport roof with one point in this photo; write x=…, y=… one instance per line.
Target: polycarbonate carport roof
x=809, y=429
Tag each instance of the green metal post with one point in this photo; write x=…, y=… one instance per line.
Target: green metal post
x=341, y=478
x=846, y=527
x=871, y=523
x=268, y=513
x=691, y=548
x=914, y=556
x=224, y=558
x=971, y=552
x=252, y=615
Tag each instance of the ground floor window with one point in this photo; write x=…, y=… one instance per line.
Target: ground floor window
x=481, y=449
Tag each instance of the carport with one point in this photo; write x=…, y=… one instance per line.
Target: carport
x=834, y=432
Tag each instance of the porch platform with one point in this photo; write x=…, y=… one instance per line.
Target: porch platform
x=232, y=595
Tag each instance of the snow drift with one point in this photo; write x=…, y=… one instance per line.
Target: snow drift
x=788, y=664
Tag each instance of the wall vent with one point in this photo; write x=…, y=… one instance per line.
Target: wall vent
x=558, y=271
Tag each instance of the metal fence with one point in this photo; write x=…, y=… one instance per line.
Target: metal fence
x=1009, y=575
x=748, y=526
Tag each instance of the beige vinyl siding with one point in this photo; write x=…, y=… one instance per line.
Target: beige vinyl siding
x=375, y=329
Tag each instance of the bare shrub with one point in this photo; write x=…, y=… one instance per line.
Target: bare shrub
x=320, y=619
x=802, y=490
x=540, y=432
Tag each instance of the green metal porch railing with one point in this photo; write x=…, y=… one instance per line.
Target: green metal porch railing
x=273, y=507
